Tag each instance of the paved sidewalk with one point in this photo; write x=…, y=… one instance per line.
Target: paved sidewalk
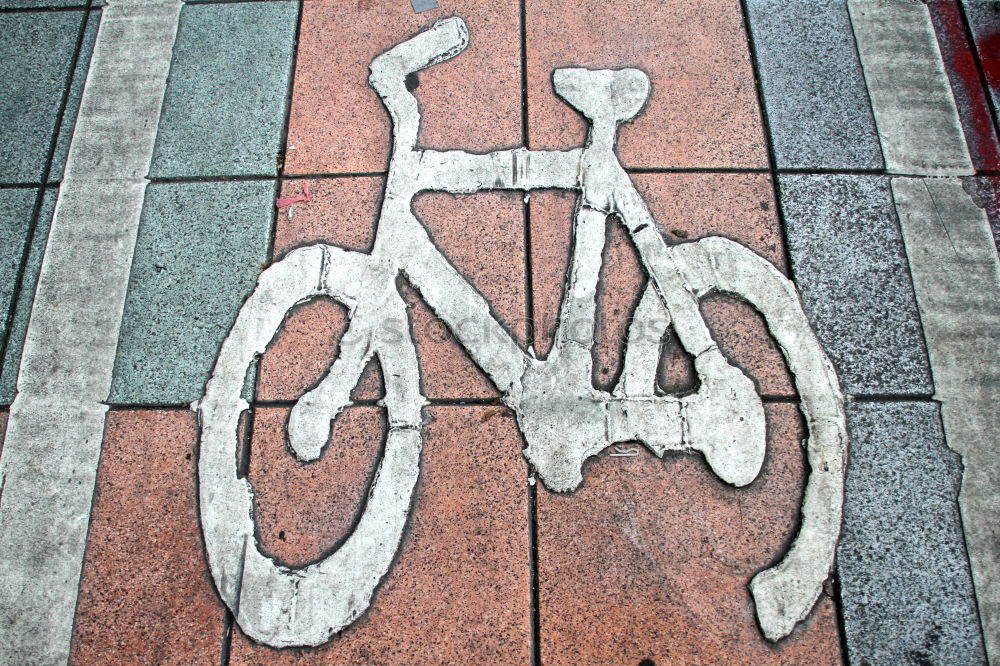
x=144, y=145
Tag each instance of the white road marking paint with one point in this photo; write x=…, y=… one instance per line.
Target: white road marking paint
x=953, y=262
x=956, y=276
x=56, y=424
x=564, y=419
x=915, y=111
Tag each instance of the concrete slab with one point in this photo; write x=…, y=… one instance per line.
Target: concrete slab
x=915, y=112
x=956, y=274
x=224, y=111
x=904, y=576
x=19, y=317
x=35, y=61
x=17, y=208
x=199, y=251
x=814, y=91
x=848, y=262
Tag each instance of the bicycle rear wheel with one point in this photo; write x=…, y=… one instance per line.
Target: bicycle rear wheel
x=276, y=605
x=785, y=593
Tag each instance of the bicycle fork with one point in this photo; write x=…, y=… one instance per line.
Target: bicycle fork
x=564, y=419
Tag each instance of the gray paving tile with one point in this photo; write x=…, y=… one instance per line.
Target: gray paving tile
x=31, y=4
x=198, y=255
x=849, y=264
x=22, y=311
x=224, y=110
x=814, y=90
x=75, y=95
x=906, y=588
x=16, y=207
x=35, y=58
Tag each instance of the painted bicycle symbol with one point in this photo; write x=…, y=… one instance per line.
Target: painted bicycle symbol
x=563, y=417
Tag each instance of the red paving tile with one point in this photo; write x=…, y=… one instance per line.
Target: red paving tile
x=146, y=595
x=686, y=207
x=703, y=108
x=305, y=508
x=459, y=590
x=650, y=560
x=337, y=122
x=343, y=212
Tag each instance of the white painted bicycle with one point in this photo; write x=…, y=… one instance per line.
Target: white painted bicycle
x=563, y=417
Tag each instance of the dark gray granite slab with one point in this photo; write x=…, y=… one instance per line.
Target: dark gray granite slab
x=199, y=251
x=224, y=111
x=814, y=90
x=906, y=589
x=849, y=264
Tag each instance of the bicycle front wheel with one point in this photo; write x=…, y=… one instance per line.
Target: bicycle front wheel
x=276, y=605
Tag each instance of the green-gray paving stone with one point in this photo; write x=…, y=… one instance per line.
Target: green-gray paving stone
x=850, y=267
x=36, y=4
x=224, y=110
x=905, y=585
x=199, y=251
x=16, y=207
x=814, y=91
x=36, y=54
x=22, y=310
x=75, y=95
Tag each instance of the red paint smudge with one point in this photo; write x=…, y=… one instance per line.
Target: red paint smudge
x=285, y=202
x=973, y=108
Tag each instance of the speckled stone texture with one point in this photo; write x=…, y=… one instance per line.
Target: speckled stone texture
x=146, y=595
x=703, y=108
x=343, y=212
x=224, y=110
x=849, y=264
x=904, y=574
x=3, y=427
x=814, y=91
x=338, y=124
x=459, y=589
x=650, y=560
x=75, y=95
x=36, y=59
x=16, y=209
x=22, y=310
x=199, y=251
x=686, y=207
x=30, y=4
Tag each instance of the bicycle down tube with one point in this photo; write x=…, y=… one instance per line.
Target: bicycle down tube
x=563, y=417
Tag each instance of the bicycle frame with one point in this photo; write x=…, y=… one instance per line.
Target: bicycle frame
x=563, y=417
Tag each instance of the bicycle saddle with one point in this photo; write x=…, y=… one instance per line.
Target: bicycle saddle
x=612, y=94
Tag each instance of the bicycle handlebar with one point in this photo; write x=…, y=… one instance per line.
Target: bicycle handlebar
x=442, y=41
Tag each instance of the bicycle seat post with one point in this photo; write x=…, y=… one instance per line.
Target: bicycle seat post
x=605, y=97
